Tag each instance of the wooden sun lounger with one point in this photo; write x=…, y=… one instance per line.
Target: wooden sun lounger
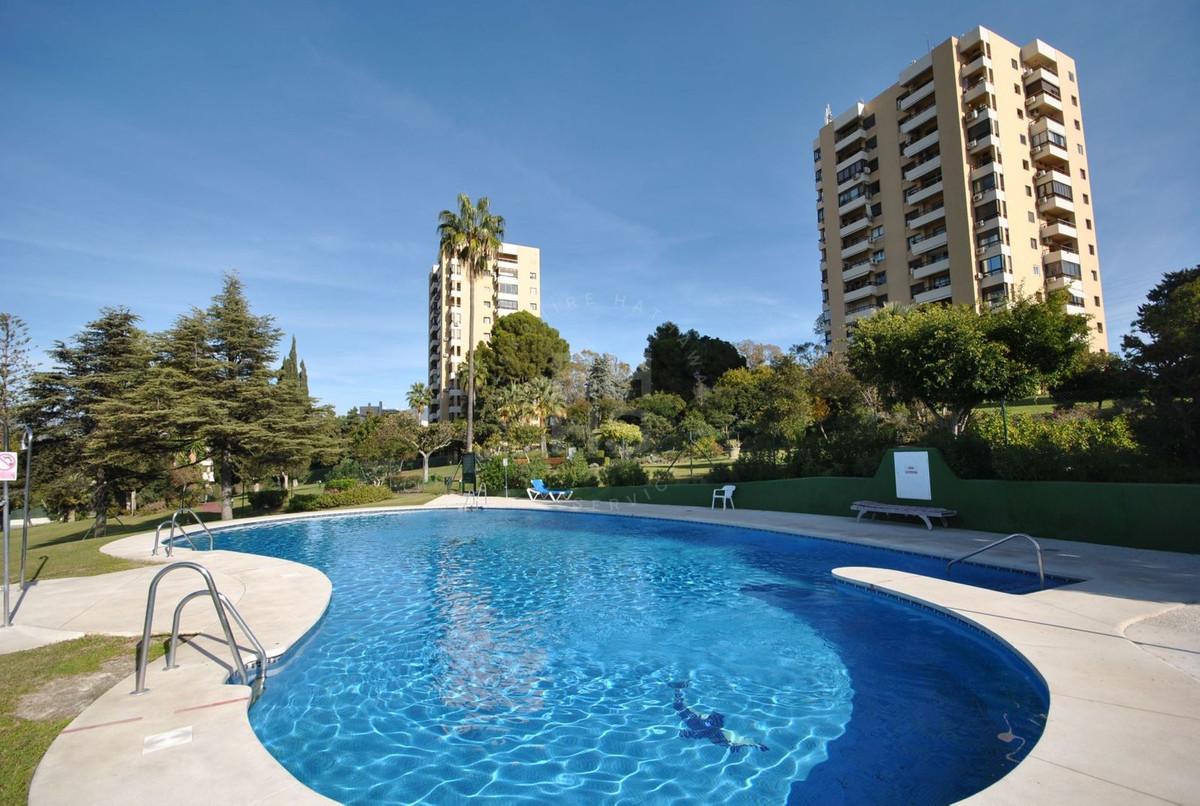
x=924, y=513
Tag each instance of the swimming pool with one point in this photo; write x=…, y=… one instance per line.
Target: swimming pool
x=568, y=657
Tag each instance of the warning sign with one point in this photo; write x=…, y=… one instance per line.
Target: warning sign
x=8, y=466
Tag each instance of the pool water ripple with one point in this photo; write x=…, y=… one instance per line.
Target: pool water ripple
x=529, y=657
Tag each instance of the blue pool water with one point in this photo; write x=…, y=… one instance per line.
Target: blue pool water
x=521, y=656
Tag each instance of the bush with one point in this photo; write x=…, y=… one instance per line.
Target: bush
x=1065, y=447
x=624, y=473
x=748, y=468
x=520, y=473
x=572, y=473
x=664, y=476
x=358, y=494
x=266, y=499
x=338, y=485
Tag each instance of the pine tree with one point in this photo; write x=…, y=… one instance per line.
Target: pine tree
x=15, y=369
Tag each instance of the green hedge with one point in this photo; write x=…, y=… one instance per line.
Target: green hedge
x=362, y=494
x=1149, y=516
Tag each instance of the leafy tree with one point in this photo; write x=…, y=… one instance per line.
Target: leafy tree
x=756, y=354
x=471, y=238
x=88, y=429
x=381, y=443
x=15, y=370
x=1165, y=350
x=427, y=440
x=664, y=404
x=952, y=358
x=685, y=363
x=1094, y=378
x=623, y=435
x=522, y=347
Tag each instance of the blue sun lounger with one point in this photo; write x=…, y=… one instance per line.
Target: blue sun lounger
x=539, y=490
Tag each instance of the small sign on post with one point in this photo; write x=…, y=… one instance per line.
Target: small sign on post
x=8, y=466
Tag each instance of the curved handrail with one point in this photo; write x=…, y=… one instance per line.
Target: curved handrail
x=195, y=517
x=143, y=651
x=233, y=611
x=1036, y=546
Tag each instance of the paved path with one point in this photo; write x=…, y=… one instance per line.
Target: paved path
x=1124, y=722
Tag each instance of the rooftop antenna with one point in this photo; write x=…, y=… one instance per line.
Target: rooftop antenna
x=828, y=114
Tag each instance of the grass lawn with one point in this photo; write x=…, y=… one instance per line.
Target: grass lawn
x=43, y=689
x=56, y=550
x=698, y=470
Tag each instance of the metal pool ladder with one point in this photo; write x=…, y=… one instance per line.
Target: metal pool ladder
x=223, y=606
x=175, y=524
x=1036, y=547
x=476, y=500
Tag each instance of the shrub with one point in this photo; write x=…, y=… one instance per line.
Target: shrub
x=1066, y=447
x=304, y=503
x=748, y=468
x=520, y=473
x=664, y=476
x=624, y=473
x=574, y=472
x=337, y=485
x=266, y=499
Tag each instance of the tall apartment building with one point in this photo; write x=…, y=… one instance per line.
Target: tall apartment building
x=511, y=286
x=966, y=181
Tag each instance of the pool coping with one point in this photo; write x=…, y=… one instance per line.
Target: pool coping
x=1123, y=725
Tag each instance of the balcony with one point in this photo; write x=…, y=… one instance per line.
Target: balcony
x=852, y=205
x=923, y=168
x=854, y=180
x=860, y=313
x=917, y=146
x=1050, y=154
x=924, y=91
x=1044, y=104
x=1060, y=256
x=920, y=194
x=1041, y=74
x=919, y=221
x=854, y=226
x=978, y=90
x=1063, y=282
x=994, y=221
x=858, y=134
x=1038, y=54
x=976, y=146
x=985, y=196
x=980, y=113
x=855, y=271
x=857, y=156
x=859, y=293
x=856, y=248
x=930, y=269
x=991, y=278
x=1055, y=204
x=985, y=169
x=920, y=245
x=988, y=250
x=1059, y=228
x=979, y=64
x=933, y=294
x=915, y=69
x=916, y=120
x=1051, y=175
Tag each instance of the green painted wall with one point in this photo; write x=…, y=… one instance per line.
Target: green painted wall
x=1150, y=516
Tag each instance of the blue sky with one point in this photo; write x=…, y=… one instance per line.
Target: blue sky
x=658, y=153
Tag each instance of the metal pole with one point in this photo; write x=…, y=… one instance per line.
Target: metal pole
x=1004, y=419
x=27, y=439
x=7, y=621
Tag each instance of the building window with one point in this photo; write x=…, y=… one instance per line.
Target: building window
x=508, y=288
x=1099, y=327
x=1079, y=147
x=1023, y=141
x=533, y=290
x=533, y=306
x=1074, y=101
x=533, y=275
x=1037, y=270
x=1097, y=301
x=1025, y=164
x=1091, y=249
x=1028, y=191
x=1088, y=221
x=506, y=304
x=1033, y=243
x=1017, y=89
x=816, y=155
x=871, y=143
x=1085, y=199
x=1095, y=277
x=487, y=304
x=1070, y=76
x=869, y=122
x=992, y=264
x=1083, y=173
x=1020, y=115
x=487, y=320
x=818, y=174
x=1077, y=126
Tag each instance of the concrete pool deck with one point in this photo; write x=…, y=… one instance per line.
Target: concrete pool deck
x=1117, y=651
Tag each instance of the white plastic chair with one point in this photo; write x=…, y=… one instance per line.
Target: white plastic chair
x=724, y=495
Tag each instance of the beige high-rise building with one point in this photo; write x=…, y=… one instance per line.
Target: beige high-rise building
x=966, y=181
x=513, y=285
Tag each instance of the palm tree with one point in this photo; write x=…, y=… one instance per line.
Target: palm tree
x=546, y=400
x=471, y=238
x=419, y=397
